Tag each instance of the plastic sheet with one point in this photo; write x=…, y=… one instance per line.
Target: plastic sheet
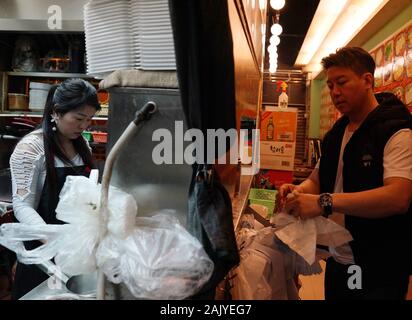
x=159, y=260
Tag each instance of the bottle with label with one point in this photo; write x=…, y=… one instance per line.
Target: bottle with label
x=283, y=97
x=270, y=130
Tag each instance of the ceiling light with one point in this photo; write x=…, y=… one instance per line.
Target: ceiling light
x=334, y=26
x=352, y=20
x=276, y=29
x=277, y=4
x=323, y=20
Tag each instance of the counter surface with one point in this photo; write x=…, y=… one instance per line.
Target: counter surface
x=44, y=291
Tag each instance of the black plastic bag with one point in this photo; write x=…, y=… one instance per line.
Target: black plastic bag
x=210, y=221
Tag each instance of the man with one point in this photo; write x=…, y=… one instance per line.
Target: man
x=365, y=172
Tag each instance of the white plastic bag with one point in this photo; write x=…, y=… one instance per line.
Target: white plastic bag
x=159, y=260
x=303, y=235
x=80, y=197
x=155, y=257
x=79, y=206
x=12, y=236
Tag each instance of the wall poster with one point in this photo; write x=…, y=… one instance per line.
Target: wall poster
x=278, y=139
x=393, y=73
x=393, y=58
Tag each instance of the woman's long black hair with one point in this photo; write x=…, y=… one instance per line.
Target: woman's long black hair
x=67, y=96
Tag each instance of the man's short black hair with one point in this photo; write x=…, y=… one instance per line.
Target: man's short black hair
x=354, y=58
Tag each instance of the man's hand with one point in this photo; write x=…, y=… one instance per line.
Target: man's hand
x=303, y=205
x=284, y=190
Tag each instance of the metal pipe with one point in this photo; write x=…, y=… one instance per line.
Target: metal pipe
x=9, y=137
x=141, y=115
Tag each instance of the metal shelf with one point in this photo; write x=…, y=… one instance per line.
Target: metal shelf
x=35, y=115
x=49, y=75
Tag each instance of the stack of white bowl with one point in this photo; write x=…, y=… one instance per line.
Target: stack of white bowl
x=38, y=95
x=109, y=41
x=153, y=35
x=128, y=34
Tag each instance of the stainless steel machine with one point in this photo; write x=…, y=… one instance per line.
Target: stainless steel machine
x=154, y=186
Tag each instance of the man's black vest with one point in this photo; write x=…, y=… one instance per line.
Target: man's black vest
x=384, y=244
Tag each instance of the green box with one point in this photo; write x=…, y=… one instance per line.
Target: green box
x=88, y=136
x=264, y=197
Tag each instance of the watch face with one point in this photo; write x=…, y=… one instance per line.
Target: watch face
x=325, y=200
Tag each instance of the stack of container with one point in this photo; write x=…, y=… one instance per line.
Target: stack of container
x=38, y=95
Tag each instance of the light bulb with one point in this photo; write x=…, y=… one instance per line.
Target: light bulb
x=276, y=29
x=272, y=48
x=275, y=40
x=273, y=64
x=272, y=69
x=273, y=55
x=277, y=4
x=273, y=60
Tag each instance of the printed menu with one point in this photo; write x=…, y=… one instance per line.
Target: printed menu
x=393, y=73
x=393, y=58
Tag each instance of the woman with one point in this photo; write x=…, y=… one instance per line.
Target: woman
x=42, y=160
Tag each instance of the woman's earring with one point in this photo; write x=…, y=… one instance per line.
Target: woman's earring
x=53, y=119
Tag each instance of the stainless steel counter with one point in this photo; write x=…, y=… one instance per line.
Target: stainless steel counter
x=54, y=289
x=44, y=291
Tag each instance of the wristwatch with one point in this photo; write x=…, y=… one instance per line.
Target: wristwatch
x=326, y=203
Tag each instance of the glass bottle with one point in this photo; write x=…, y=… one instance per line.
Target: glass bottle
x=269, y=130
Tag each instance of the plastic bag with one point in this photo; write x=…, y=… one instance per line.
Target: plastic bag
x=155, y=257
x=79, y=205
x=80, y=197
x=303, y=235
x=159, y=260
x=12, y=236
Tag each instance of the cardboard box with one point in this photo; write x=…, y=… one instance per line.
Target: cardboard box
x=277, y=147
